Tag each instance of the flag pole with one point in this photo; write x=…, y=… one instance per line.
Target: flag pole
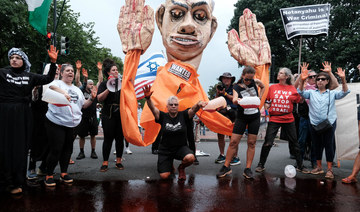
x=54, y=37
x=300, y=55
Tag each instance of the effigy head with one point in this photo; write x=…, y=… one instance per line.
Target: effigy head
x=186, y=26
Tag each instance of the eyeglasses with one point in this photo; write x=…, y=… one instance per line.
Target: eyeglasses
x=174, y=105
x=247, y=80
x=321, y=79
x=311, y=76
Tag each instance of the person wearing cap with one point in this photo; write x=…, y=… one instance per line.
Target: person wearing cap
x=16, y=85
x=225, y=89
x=110, y=117
x=89, y=123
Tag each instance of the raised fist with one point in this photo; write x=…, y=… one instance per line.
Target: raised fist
x=252, y=48
x=136, y=25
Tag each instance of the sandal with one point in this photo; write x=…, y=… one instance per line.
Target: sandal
x=71, y=162
x=103, y=168
x=349, y=180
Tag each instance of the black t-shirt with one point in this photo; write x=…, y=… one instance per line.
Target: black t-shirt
x=245, y=91
x=174, y=131
x=16, y=84
x=112, y=99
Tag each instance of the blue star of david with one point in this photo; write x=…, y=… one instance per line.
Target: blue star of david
x=153, y=66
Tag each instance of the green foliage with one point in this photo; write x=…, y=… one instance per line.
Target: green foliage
x=340, y=47
x=15, y=31
x=212, y=92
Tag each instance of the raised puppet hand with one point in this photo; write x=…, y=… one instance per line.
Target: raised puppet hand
x=304, y=71
x=340, y=72
x=136, y=25
x=327, y=67
x=252, y=48
x=78, y=64
x=53, y=54
x=84, y=73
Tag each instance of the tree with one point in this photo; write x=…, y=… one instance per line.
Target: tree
x=15, y=31
x=340, y=46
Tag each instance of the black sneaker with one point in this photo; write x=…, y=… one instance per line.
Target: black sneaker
x=103, y=168
x=66, y=179
x=80, y=156
x=248, y=173
x=94, y=155
x=260, y=168
x=50, y=182
x=119, y=166
x=220, y=159
x=223, y=171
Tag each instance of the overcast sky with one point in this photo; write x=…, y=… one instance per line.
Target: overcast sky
x=216, y=57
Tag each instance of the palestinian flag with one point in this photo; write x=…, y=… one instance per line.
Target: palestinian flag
x=38, y=14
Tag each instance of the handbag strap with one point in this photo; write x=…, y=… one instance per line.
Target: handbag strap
x=327, y=115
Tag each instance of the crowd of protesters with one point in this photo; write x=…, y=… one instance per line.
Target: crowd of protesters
x=56, y=126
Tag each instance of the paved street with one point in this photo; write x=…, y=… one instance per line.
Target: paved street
x=139, y=188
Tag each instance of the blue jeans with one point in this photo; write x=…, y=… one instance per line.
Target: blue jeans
x=325, y=141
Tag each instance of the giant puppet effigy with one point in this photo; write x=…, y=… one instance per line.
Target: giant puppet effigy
x=186, y=27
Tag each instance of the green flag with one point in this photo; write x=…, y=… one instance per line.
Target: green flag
x=38, y=14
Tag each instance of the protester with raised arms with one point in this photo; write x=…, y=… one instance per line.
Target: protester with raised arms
x=16, y=85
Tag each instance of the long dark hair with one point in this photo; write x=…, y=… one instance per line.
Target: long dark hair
x=107, y=64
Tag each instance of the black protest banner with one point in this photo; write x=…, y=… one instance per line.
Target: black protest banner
x=307, y=20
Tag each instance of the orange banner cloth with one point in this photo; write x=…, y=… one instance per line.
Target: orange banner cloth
x=262, y=73
x=174, y=79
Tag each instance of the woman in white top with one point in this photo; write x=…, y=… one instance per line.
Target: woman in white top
x=60, y=123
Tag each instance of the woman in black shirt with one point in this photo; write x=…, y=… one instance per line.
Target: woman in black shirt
x=16, y=84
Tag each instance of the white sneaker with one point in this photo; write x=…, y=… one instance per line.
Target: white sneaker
x=128, y=151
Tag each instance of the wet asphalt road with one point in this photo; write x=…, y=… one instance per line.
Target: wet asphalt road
x=139, y=188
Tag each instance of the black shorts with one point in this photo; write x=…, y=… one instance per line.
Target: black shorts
x=253, y=124
x=230, y=114
x=165, y=161
x=87, y=126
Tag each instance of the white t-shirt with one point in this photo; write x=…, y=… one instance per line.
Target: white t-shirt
x=70, y=115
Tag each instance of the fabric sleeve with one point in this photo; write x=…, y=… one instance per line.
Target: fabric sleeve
x=237, y=89
x=39, y=79
x=304, y=93
x=161, y=117
x=341, y=94
x=102, y=87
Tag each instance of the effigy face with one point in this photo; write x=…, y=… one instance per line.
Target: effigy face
x=186, y=27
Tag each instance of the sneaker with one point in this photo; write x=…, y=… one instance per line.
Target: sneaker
x=119, y=166
x=220, y=159
x=303, y=169
x=223, y=171
x=50, y=182
x=260, y=168
x=248, y=173
x=329, y=174
x=40, y=172
x=66, y=179
x=103, y=168
x=128, y=151
x=31, y=174
x=80, y=156
x=93, y=155
x=317, y=170
x=155, y=151
x=235, y=161
x=114, y=152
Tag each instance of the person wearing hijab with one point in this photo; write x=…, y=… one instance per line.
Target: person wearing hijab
x=16, y=84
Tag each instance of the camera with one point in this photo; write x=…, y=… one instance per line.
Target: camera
x=220, y=87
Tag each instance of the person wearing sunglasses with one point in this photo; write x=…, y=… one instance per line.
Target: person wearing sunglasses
x=322, y=107
x=304, y=137
x=174, y=139
x=246, y=117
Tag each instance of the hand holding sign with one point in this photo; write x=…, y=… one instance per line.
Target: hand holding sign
x=252, y=48
x=136, y=25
